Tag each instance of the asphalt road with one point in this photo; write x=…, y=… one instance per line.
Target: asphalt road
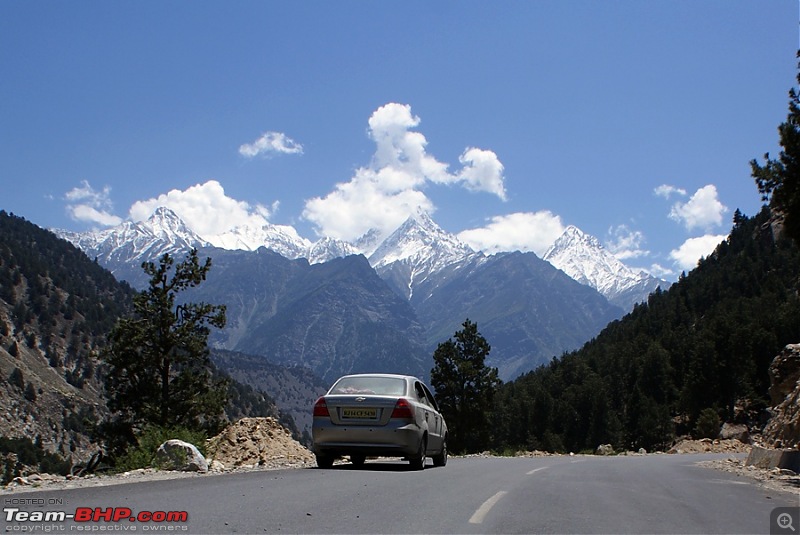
x=581, y=494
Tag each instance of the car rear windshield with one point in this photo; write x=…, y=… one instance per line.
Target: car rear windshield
x=381, y=386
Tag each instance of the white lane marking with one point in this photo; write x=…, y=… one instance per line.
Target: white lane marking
x=535, y=470
x=484, y=509
x=729, y=482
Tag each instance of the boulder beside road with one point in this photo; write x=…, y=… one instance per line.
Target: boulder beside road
x=179, y=455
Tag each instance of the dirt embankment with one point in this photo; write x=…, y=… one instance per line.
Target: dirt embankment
x=248, y=444
x=256, y=442
x=706, y=445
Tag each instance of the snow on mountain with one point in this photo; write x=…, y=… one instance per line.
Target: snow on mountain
x=407, y=258
x=368, y=242
x=583, y=258
x=419, y=238
x=326, y=249
x=416, y=250
x=165, y=225
x=285, y=241
x=131, y=242
x=165, y=232
x=282, y=239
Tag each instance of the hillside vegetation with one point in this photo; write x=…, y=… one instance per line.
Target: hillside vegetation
x=57, y=308
x=697, y=351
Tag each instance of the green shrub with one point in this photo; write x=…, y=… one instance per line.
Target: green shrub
x=142, y=454
x=708, y=424
x=31, y=454
x=17, y=379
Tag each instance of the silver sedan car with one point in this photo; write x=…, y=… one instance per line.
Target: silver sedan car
x=379, y=415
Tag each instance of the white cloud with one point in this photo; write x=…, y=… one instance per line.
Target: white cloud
x=83, y=212
x=382, y=195
x=482, y=172
x=271, y=143
x=702, y=211
x=205, y=208
x=362, y=204
x=521, y=231
x=666, y=191
x=625, y=243
x=692, y=250
x=86, y=204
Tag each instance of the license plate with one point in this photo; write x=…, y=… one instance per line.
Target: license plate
x=359, y=412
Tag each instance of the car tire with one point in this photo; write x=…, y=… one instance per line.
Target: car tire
x=441, y=458
x=324, y=461
x=418, y=462
x=358, y=460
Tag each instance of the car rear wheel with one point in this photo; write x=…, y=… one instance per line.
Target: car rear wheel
x=324, y=461
x=441, y=458
x=418, y=462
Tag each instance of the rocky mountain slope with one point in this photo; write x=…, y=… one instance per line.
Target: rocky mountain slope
x=56, y=308
x=293, y=388
x=334, y=318
x=783, y=429
x=528, y=310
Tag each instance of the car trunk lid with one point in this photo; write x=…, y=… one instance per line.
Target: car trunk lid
x=360, y=409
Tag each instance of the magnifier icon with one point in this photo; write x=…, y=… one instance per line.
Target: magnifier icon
x=785, y=521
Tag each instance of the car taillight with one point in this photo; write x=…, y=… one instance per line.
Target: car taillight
x=321, y=408
x=403, y=409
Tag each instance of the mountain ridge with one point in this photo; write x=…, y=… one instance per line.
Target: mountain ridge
x=417, y=287
x=406, y=258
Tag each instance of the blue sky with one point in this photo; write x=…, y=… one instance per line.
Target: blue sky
x=634, y=121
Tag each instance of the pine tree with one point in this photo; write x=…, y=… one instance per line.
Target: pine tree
x=30, y=392
x=779, y=180
x=158, y=358
x=16, y=378
x=465, y=388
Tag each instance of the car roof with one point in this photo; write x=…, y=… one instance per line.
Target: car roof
x=387, y=375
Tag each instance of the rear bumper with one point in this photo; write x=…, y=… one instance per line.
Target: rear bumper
x=399, y=439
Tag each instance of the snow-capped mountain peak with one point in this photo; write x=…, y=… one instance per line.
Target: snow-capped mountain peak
x=420, y=238
x=582, y=257
x=132, y=242
x=282, y=239
x=415, y=251
x=408, y=257
x=165, y=225
x=165, y=232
